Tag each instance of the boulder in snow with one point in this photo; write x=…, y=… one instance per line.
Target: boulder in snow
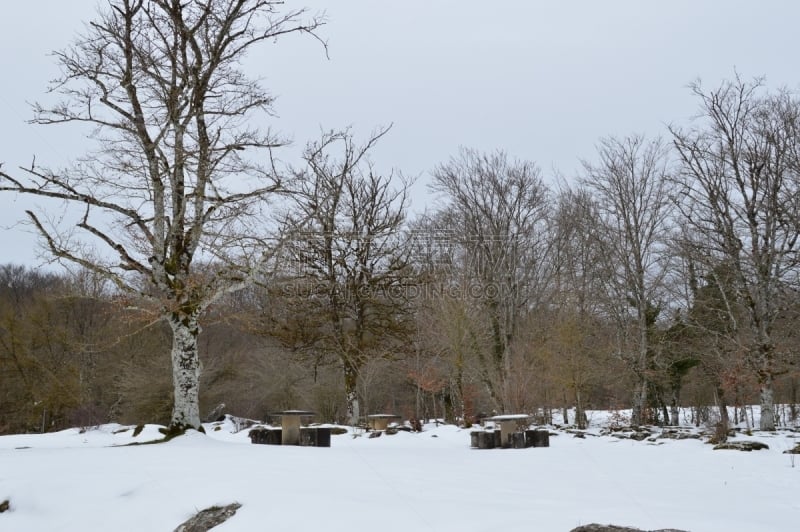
x=742, y=446
x=207, y=519
x=594, y=527
x=796, y=450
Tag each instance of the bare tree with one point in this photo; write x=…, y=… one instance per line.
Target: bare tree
x=351, y=256
x=180, y=176
x=451, y=330
x=713, y=331
x=498, y=212
x=630, y=185
x=740, y=193
x=576, y=332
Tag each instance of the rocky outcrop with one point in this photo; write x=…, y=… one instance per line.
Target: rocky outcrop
x=679, y=434
x=742, y=446
x=796, y=450
x=207, y=519
x=594, y=527
x=628, y=433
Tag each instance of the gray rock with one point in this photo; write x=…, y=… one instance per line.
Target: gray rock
x=207, y=519
x=5, y=506
x=673, y=434
x=630, y=433
x=796, y=450
x=640, y=436
x=594, y=527
x=742, y=446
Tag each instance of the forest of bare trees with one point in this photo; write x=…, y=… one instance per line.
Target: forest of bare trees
x=202, y=277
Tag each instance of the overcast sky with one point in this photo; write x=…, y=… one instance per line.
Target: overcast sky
x=543, y=80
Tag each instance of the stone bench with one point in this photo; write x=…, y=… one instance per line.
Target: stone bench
x=308, y=437
x=492, y=439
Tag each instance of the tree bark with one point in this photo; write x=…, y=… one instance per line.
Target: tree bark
x=580, y=412
x=185, y=372
x=724, y=420
x=639, y=401
x=351, y=392
x=767, y=397
x=674, y=408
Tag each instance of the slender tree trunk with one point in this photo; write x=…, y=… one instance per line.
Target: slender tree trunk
x=767, y=395
x=580, y=413
x=185, y=372
x=664, y=412
x=460, y=389
x=351, y=392
x=639, y=401
x=447, y=402
x=640, y=392
x=724, y=419
x=674, y=404
x=499, y=357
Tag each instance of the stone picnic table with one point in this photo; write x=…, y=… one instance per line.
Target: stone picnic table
x=509, y=435
x=380, y=421
x=290, y=424
x=508, y=425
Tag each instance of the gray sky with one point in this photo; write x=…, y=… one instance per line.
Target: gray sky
x=543, y=80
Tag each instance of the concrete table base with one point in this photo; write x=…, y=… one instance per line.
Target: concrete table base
x=290, y=425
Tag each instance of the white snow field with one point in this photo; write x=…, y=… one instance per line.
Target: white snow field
x=87, y=480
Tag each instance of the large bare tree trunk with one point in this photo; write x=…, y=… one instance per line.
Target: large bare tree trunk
x=639, y=402
x=185, y=372
x=767, y=400
x=642, y=384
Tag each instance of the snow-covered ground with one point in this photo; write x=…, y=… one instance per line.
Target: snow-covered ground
x=429, y=481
